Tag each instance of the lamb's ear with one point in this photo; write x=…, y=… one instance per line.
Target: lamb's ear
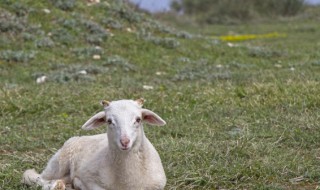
x=152, y=118
x=95, y=121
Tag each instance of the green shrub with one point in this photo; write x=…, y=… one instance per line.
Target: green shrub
x=44, y=43
x=130, y=16
x=276, y=7
x=27, y=36
x=223, y=11
x=20, y=9
x=264, y=53
x=184, y=35
x=96, y=39
x=69, y=23
x=93, y=27
x=10, y=23
x=169, y=43
x=194, y=70
x=118, y=61
x=87, y=52
x=97, y=33
x=68, y=73
x=16, y=56
x=62, y=36
x=66, y=5
x=112, y=23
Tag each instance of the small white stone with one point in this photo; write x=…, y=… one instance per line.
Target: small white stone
x=219, y=66
x=94, y=1
x=129, y=29
x=41, y=79
x=231, y=44
x=96, y=57
x=292, y=69
x=83, y=72
x=147, y=87
x=47, y=11
x=160, y=73
x=278, y=65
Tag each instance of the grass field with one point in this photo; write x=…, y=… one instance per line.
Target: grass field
x=240, y=114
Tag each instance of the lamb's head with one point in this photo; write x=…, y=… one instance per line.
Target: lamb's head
x=124, y=119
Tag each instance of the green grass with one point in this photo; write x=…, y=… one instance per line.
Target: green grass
x=243, y=117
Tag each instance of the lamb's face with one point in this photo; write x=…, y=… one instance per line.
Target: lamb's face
x=124, y=120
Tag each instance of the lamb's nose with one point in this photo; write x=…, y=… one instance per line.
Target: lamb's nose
x=124, y=141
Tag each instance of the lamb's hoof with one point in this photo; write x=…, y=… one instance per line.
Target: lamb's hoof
x=58, y=185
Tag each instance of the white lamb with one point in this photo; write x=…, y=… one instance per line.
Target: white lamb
x=123, y=158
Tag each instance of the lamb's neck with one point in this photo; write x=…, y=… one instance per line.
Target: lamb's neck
x=126, y=162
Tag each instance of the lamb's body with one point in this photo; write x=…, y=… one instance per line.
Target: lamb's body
x=94, y=163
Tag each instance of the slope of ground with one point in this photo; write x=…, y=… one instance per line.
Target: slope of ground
x=240, y=114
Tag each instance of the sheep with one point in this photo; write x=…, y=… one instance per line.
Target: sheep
x=122, y=158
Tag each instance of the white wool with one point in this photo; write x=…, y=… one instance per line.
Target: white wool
x=123, y=158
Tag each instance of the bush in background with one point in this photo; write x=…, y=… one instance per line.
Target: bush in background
x=222, y=11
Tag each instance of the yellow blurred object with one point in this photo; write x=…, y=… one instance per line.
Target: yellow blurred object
x=252, y=36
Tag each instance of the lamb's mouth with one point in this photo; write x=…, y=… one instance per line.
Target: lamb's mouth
x=124, y=148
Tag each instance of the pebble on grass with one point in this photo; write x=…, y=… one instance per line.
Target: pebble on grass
x=129, y=30
x=147, y=87
x=47, y=11
x=41, y=79
x=92, y=2
x=96, y=57
x=278, y=65
x=159, y=73
x=83, y=72
x=232, y=44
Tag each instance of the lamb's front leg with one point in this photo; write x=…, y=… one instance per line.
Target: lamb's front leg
x=79, y=185
x=55, y=176
x=57, y=185
x=31, y=177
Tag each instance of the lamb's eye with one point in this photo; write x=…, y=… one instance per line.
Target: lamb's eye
x=138, y=120
x=109, y=121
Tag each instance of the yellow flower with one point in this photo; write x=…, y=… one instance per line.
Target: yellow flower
x=252, y=36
